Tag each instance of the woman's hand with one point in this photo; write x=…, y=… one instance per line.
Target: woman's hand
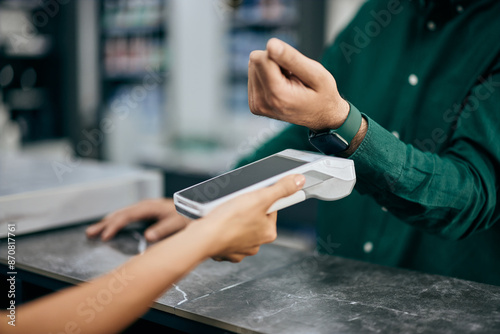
x=243, y=224
x=231, y=217
x=162, y=209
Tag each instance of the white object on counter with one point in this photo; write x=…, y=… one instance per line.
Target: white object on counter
x=36, y=196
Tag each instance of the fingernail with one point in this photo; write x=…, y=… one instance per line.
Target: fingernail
x=300, y=180
x=91, y=229
x=151, y=236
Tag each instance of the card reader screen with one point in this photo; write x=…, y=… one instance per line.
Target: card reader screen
x=231, y=182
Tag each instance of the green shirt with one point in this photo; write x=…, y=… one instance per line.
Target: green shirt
x=426, y=76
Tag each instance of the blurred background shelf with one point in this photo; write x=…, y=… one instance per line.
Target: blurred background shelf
x=159, y=83
x=131, y=31
x=31, y=107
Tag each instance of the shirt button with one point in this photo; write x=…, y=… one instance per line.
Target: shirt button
x=431, y=25
x=460, y=8
x=413, y=79
x=384, y=209
x=368, y=247
x=396, y=134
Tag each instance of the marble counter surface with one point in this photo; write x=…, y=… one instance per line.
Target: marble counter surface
x=281, y=290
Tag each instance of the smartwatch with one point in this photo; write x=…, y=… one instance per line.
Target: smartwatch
x=335, y=141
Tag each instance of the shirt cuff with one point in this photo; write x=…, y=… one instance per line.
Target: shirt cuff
x=379, y=160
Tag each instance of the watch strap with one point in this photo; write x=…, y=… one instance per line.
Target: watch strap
x=334, y=141
x=351, y=125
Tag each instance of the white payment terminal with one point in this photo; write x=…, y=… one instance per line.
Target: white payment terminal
x=327, y=178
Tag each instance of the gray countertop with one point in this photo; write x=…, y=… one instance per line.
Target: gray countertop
x=281, y=290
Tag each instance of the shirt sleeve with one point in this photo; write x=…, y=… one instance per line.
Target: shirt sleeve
x=453, y=193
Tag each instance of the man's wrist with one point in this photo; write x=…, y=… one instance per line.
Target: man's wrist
x=357, y=140
x=342, y=114
x=336, y=141
x=334, y=118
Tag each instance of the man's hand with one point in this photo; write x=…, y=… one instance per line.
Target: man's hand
x=163, y=210
x=286, y=85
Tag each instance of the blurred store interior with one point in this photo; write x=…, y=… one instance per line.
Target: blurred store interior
x=153, y=83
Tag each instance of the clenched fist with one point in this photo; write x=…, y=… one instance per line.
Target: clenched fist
x=286, y=85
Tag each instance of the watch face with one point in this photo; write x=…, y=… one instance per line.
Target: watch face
x=328, y=143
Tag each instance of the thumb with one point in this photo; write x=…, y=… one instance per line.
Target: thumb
x=285, y=187
x=309, y=71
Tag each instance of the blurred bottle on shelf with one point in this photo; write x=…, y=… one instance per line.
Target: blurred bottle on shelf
x=266, y=12
x=133, y=37
x=135, y=61
x=128, y=56
x=132, y=13
x=10, y=133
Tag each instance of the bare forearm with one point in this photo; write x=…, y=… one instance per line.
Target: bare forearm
x=111, y=302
